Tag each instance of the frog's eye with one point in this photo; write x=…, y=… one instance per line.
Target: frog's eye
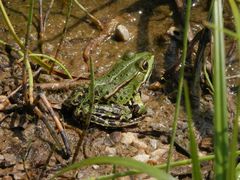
x=144, y=65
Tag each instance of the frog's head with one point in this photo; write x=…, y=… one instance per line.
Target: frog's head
x=142, y=65
x=145, y=64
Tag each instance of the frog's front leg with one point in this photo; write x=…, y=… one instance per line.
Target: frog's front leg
x=139, y=107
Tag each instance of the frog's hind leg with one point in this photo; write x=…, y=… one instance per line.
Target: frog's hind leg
x=115, y=123
x=113, y=116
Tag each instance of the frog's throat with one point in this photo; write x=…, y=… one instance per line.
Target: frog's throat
x=119, y=87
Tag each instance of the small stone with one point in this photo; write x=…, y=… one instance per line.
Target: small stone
x=4, y=102
x=19, y=167
x=122, y=33
x=128, y=138
x=95, y=166
x=7, y=177
x=111, y=151
x=154, y=143
x=150, y=112
x=10, y=158
x=116, y=136
x=140, y=144
x=80, y=175
x=206, y=143
x=144, y=97
x=159, y=153
x=1, y=157
x=155, y=86
x=19, y=175
x=142, y=157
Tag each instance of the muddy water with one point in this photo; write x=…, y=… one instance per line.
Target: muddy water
x=147, y=22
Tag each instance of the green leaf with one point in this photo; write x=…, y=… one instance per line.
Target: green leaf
x=122, y=161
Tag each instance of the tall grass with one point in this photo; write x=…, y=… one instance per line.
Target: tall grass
x=220, y=99
x=27, y=67
x=180, y=84
x=196, y=172
x=231, y=173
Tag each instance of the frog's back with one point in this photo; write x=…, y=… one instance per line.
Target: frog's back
x=119, y=85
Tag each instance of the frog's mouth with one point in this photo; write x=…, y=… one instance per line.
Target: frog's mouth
x=149, y=73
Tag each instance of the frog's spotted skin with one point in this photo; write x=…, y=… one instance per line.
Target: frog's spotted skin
x=117, y=100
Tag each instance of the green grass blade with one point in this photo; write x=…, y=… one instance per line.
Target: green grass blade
x=196, y=171
x=184, y=55
x=27, y=66
x=35, y=58
x=46, y=66
x=236, y=16
x=220, y=105
x=184, y=162
x=233, y=172
x=226, y=31
x=234, y=143
x=121, y=161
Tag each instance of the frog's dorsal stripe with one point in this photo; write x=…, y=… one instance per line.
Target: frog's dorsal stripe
x=115, y=72
x=119, y=86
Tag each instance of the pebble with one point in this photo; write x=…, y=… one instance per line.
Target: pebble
x=140, y=144
x=95, y=166
x=128, y=138
x=19, y=167
x=7, y=177
x=10, y=158
x=157, y=154
x=19, y=175
x=155, y=86
x=144, y=97
x=4, y=102
x=111, y=151
x=122, y=33
x=154, y=143
x=116, y=136
x=142, y=157
x=150, y=112
x=1, y=157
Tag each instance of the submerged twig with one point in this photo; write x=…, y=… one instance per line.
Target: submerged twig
x=93, y=18
x=47, y=14
x=105, y=34
x=64, y=33
x=40, y=44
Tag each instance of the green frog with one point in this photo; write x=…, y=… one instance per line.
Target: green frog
x=117, y=101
